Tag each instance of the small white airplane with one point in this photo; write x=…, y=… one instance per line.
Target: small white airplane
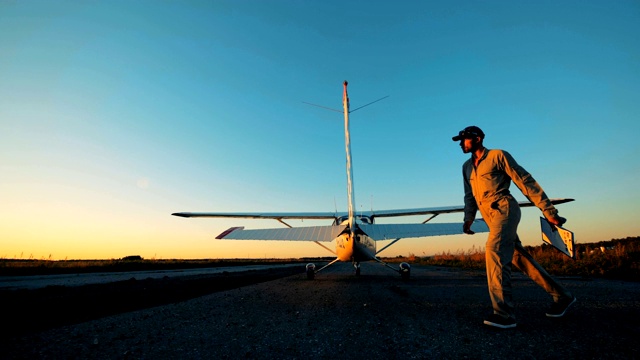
x=355, y=235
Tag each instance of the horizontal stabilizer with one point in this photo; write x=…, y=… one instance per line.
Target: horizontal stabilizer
x=398, y=231
x=311, y=233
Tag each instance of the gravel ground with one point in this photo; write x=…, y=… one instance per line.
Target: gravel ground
x=437, y=314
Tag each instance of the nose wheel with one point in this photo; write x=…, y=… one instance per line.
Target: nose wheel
x=356, y=265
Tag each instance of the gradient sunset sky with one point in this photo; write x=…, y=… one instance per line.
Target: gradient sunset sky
x=115, y=114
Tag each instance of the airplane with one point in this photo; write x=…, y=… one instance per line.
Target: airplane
x=355, y=235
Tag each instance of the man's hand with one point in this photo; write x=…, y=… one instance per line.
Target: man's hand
x=556, y=220
x=466, y=228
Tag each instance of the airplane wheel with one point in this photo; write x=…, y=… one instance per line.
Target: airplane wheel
x=358, y=271
x=405, y=270
x=311, y=271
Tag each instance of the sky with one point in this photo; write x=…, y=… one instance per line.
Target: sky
x=115, y=114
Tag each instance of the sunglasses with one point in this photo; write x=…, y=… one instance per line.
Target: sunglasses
x=468, y=134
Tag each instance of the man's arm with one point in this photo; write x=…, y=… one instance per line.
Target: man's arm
x=470, y=205
x=466, y=228
x=556, y=220
x=531, y=189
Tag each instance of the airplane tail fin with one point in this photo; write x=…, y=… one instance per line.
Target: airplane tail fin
x=347, y=138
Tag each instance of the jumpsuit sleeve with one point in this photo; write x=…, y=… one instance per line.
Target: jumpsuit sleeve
x=528, y=185
x=470, y=205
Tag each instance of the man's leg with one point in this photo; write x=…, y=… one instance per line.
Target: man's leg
x=503, y=226
x=528, y=265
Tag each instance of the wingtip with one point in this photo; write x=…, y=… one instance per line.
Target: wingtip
x=229, y=231
x=564, y=200
x=181, y=214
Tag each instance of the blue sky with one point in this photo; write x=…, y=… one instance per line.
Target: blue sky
x=113, y=115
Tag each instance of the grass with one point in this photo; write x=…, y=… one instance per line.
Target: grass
x=613, y=259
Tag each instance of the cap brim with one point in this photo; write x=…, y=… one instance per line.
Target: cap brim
x=457, y=138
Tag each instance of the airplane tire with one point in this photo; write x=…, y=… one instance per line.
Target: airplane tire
x=405, y=271
x=311, y=271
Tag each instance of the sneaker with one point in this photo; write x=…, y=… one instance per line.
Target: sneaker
x=500, y=321
x=558, y=309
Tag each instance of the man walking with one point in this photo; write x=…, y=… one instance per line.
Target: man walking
x=487, y=176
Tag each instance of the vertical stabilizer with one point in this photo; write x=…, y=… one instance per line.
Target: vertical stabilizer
x=347, y=139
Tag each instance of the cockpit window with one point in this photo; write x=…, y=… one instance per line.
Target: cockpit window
x=359, y=219
x=365, y=219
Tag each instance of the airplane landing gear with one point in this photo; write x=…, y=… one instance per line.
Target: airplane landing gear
x=356, y=265
x=405, y=270
x=311, y=271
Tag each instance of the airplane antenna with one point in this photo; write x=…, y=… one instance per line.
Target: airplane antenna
x=341, y=111
x=324, y=107
x=382, y=98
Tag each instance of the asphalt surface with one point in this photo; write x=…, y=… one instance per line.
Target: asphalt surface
x=437, y=314
x=42, y=281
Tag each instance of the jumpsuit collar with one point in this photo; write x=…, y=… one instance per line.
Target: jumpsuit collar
x=482, y=157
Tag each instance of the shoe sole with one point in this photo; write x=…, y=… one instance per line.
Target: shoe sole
x=565, y=309
x=501, y=326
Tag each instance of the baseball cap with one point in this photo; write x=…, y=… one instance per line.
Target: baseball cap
x=469, y=133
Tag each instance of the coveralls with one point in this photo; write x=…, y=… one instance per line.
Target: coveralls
x=486, y=188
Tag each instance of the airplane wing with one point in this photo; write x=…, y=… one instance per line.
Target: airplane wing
x=310, y=233
x=400, y=231
x=261, y=215
x=334, y=215
x=443, y=209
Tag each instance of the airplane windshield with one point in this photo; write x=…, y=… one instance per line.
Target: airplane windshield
x=342, y=220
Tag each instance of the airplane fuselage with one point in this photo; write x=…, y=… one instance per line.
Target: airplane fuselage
x=357, y=247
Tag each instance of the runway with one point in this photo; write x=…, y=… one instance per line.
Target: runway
x=41, y=281
x=436, y=314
